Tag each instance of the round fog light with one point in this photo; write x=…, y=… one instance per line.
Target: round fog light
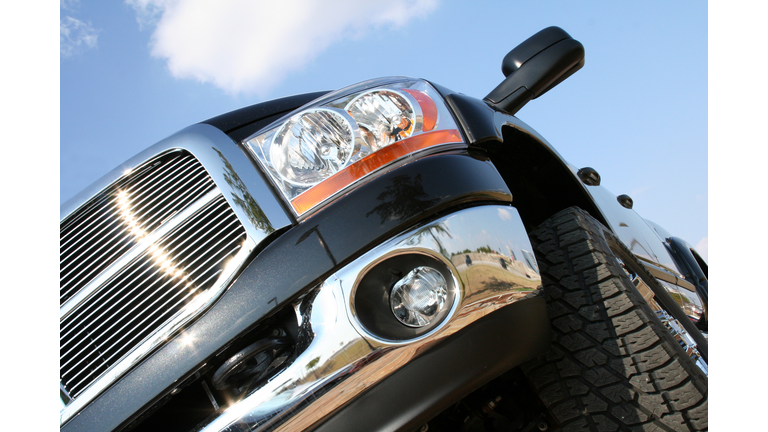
x=420, y=298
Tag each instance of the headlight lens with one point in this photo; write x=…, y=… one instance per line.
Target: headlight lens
x=326, y=147
x=384, y=117
x=312, y=146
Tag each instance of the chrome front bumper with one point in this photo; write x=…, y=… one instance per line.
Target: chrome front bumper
x=344, y=359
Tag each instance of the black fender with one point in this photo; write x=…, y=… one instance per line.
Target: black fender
x=540, y=180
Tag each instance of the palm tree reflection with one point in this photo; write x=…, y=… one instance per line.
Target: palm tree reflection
x=244, y=200
x=434, y=230
x=402, y=199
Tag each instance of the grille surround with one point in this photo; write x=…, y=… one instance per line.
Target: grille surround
x=216, y=242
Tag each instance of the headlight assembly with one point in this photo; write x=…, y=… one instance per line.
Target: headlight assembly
x=324, y=148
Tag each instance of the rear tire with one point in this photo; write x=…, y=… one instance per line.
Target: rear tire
x=612, y=365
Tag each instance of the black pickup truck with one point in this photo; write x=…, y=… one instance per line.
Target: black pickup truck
x=392, y=255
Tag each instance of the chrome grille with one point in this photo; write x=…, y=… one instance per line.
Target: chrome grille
x=101, y=231
x=146, y=294
x=137, y=261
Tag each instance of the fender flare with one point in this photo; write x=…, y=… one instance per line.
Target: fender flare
x=541, y=181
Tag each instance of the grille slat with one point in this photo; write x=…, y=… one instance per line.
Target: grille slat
x=117, y=233
x=161, y=182
x=110, y=199
x=164, y=212
x=199, y=253
x=144, y=188
x=125, y=321
x=109, y=293
x=143, y=202
x=117, y=300
x=101, y=218
x=189, y=241
x=90, y=264
x=157, y=281
x=159, y=318
x=75, y=255
x=71, y=227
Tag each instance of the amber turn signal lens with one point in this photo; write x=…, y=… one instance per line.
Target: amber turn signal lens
x=428, y=109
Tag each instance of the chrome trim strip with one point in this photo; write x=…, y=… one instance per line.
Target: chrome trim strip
x=199, y=303
x=671, y=323
x=137, y=250
x=344, y=359
x=683, y=338
x=664, y=274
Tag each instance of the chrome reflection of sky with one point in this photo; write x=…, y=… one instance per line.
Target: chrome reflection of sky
x=466, y=237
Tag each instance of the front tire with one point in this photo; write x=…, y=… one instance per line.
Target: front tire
x=612, y=365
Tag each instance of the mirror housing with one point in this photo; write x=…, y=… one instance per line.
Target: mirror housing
x=535, y=66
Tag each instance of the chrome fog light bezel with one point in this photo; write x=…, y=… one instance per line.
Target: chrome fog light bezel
x=370, y=300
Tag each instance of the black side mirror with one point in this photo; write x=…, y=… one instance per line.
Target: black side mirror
x=541, y=62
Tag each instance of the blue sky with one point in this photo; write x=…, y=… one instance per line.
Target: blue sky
x=134, y=72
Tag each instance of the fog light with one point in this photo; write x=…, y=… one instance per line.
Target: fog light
x=420, y=298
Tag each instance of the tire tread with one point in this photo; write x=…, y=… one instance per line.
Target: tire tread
x=611, y=366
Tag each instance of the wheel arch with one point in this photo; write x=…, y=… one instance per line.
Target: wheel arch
x=541, y=181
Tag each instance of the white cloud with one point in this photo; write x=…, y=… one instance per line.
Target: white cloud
x=249, y=45
x=504, y=214
x=69, y=4
x=148, y=12
x=702, y=247
x=76, y=36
